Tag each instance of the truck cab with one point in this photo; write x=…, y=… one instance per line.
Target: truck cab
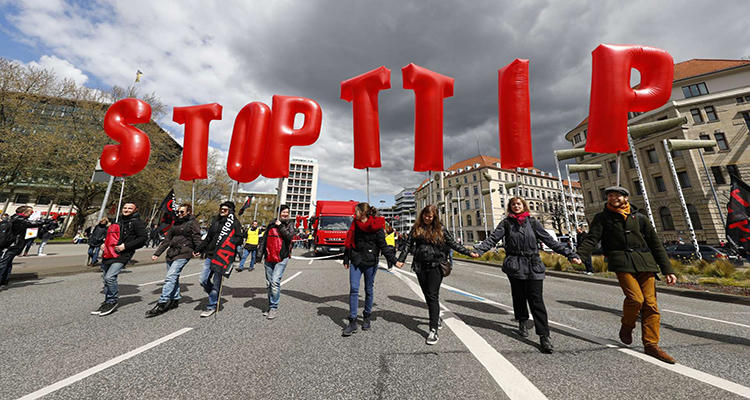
x=332, y=221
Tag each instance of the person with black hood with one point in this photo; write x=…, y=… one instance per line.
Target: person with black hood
x=181, y=241
x=364, y=242
x=13, y=235
x=46, y=232
x=276, y=247
x=96, y=240
x=521, y=233
x=210, y=280
x=131, y=232
x=430, y=243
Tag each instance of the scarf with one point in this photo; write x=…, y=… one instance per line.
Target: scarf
x=373, y=224
x=520, y=217
x=624, y=210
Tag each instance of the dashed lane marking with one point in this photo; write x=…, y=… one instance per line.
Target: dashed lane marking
x=710, y=319
x=290, y=278
x=162, y=280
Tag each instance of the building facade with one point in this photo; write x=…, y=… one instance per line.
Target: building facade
x=472, y=197
x=714, y=95
x=300, y=190
x=405, y=210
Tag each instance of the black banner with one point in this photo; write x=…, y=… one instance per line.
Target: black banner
x=168, y=209
x=738, y=209
x=221, y=262
x=246, y=205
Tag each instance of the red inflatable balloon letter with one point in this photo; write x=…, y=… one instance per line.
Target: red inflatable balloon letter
x=612, y=97
x=131, y=155
x=248, y=142
x=430, y=88
x=283, y=135
x=195, y=147
x=515, y=117
x=362, y=91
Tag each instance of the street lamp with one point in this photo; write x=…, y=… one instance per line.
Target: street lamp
x=450, y=207
x=576, y=168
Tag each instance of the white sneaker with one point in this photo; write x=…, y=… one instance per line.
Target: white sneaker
x=41, y=255
x=207, y=313
x=432, y=338
x=272, y=313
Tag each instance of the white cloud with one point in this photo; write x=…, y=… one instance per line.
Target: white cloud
x=62, y=68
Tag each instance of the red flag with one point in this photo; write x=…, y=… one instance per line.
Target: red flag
x=514, y=114
x=738, y=209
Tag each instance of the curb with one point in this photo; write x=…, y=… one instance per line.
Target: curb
x=697, y=294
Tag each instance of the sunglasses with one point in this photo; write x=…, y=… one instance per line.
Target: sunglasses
x=180, y=212
x=223, y=209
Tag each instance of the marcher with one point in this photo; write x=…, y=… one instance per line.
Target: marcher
x=580, y=236
x=523, y=265
x=390, y=240
x=430, y=244
x=12, y=239
x=123, y=239
x=250, y=248
x=46, y=232
x=181, y=241
x=276, y=247
x=27, y=245
x=635, y=253
x=364, y=242
x=96, y=240
x=210, y=280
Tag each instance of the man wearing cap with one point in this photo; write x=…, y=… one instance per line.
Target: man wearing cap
x=276, y=246
x=635, y=253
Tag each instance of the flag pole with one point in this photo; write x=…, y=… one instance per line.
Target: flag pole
x=192, y=199
x=617, y=169
x=218, y=302
x=368, y=185
x=231, y=194
x=119, y=202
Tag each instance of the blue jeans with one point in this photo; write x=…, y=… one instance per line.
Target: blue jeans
x=355, y=274
x=41, y=246
x=109, y=276
x=245, y=253
x=171, y=288
x=274, y=272
x=211, y=282
x=94, y=254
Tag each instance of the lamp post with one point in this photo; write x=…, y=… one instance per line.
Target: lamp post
x=576, y=168
x=450, y=207
x=682, y=199
x=560, y=155
x=488, y=177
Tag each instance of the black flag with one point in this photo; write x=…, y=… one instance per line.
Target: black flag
x=246, y=205
x=738, y=209
x=221, y=261
x=168, y=209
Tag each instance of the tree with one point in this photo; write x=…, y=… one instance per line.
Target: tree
x=557, y=215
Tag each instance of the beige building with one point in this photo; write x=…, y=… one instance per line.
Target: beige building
x=472, y=206
x=714, y=95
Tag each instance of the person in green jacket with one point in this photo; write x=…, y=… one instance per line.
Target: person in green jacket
x=635, y=253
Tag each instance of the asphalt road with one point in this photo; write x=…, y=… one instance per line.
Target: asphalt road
x=51, y=343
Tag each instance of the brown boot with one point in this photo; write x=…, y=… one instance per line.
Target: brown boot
x=626, y=334
x=656, y=352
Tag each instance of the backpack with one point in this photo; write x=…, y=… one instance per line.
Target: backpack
x=6, y=234
x=274, y=243
x=113, y=236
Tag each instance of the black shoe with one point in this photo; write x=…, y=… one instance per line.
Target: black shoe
x=545, y=345
x=172, y=304
x=366, y=323
x=159, y=308
x=440, y=323
x=523, y=331
x=351, y=328
x=100, y=309
x=108, y=309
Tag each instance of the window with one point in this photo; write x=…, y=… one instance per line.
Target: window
x=577, y=138
x=666, y=219
x=660, y=186
x=476, y=190
x=474, y=177
x=746, y=117
x=613, y=166
x=694, y=217
x=631, y=162
x=470, y=236
x=468, y=204
x=721, y=140
x=653, y=158
x=21, y=198
x=466, y=192
x=697, y=117
x=740, y=100
x=584, y=176
x=711, y=113
x=682, y=176
x=718, y=175
x=598, y=173
x=637, y=186
x=476, y=203
x=468, y=220
x=694, y=90
x=43, y=200
x=732, y=170
x=591, y=197
x=466, y=179
x=479, y=218
x=706, y=137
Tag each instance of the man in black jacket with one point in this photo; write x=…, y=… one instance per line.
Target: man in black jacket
x=133, y=236
x=276, y=247
x=16, y=239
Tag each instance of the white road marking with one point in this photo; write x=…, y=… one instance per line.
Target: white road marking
x=93, y=370
x=488, y=274
x=678, y=368
x=510, y=379
x=710, y=319
x=162, y=280
x=311, y=261
x=290, y=278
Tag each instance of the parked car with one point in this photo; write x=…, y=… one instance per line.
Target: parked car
x=686, y=253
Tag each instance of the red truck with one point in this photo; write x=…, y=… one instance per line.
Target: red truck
x=332, y=221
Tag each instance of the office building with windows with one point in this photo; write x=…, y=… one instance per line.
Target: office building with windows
x=300, y=190
x=405, y=210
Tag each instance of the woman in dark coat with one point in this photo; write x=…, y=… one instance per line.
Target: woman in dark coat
x=96, y=240
x=525, y=269
x=430, y=243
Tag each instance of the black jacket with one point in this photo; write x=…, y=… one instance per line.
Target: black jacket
x=427, y=254
x=132, y=235
x=286, y=230
x=181, y=239
x=98, y=234
x=522, y=260
x=367, y=249
x=19, y=224
x=208, y=245
x=47, y=231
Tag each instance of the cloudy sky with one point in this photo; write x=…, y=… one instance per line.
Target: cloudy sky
x=233, y=53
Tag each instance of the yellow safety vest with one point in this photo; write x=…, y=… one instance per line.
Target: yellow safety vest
x=390, y=239
x=252, y=236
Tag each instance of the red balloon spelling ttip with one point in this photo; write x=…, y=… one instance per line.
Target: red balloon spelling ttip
x=515, y=116
x=248, y=144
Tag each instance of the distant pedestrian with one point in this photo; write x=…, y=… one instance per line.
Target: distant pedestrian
x=364, y=242
x=635, y=253
x=46, y=232
x=180, y=242
x=521, y=233
x=276, y=247
x=430, y=243
x=390, y=240
x=580, y=236
x=123, y=239
x=4, y=217
x=250, y=248
x=96, y=240
x=154, y=235
x=12, y=239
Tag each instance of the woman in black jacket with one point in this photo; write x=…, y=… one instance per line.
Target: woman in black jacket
x=364, y=242
x=430, y=243
x=524, y=267
x=96, y=240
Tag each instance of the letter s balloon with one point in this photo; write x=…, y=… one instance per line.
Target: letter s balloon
x=131, y=155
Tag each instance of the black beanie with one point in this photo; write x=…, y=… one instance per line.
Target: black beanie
x=283, y=207
x=227, y=204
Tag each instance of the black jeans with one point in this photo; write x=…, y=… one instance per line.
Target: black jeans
x=6, y=264
x=529, y=291
x=587, y=263
x=430, y=280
